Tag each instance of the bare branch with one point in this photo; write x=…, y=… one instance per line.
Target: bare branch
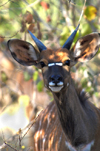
x=30, y=125
x=82, y=12
x=10, y=36
x=34, y=3
x=73, y=3
x=5, y=3
x=18, y=135
x=37, y=17
x=10, y=146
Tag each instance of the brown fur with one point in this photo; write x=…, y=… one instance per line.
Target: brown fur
x=71, y=122
x=48, y=128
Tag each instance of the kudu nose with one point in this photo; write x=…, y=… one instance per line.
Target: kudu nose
x=56, y=79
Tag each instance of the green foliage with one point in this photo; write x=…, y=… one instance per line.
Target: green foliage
x=35, y=76
x=64, y=35
x=52, y=22
x=87, y=80
x=3, y=76
x=26, y=76
x=48, y=20
x=86, y=30
x=40, y=86
x=13, y=7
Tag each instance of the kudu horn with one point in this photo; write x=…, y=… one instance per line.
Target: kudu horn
x=69, y=41
x=39, y=44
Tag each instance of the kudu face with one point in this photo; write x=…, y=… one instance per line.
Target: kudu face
x=55, y=64
x=55, y=68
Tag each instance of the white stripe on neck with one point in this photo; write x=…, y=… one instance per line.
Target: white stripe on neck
x=55, y=64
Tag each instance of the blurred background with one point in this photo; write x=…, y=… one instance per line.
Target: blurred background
x=22, y=92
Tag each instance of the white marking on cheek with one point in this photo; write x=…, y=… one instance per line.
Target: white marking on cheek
x=51, y=84
x=88, y=146
x=67, y=84
x=70, y=147
x=60, y=83
x=80, y=148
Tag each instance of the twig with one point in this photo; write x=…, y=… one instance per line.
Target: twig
x=10, y=146
x=10, y=36
x=65, y=13
x=30, y=125
x=20, y=8
x=82, y=12
x=73, y=3
x=18, y=133
x=5, y=3
x=34, y=3
x=37, y=17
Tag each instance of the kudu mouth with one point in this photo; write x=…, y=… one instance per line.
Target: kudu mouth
x=56, y=83
x=55, y=88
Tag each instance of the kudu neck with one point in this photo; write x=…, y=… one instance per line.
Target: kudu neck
x=72, y=116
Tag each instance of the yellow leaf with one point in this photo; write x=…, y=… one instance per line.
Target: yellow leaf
x=23, y=147
x=24, y=100
x=90, y=12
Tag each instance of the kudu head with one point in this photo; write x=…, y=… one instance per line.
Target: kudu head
x=55, y=64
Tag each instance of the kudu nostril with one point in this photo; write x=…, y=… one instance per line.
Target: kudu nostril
x=56, y=78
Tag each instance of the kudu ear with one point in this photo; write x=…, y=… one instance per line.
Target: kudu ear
x=23, y=52
x=86, y=47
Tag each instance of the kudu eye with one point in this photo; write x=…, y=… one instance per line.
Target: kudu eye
x=42, y=64
x=67, y=62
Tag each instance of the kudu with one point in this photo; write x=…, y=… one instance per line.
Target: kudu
x=70, y=122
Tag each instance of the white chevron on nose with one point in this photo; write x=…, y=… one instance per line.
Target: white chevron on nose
x=53, y=64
